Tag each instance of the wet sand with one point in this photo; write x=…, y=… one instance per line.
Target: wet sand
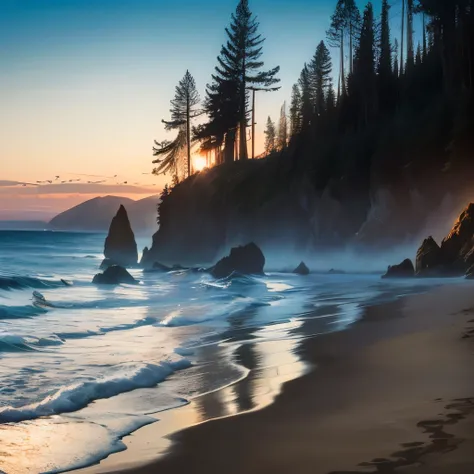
x=395, y=393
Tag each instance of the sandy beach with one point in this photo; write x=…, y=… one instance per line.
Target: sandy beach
x=393, y=393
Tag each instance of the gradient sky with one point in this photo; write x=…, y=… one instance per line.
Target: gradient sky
x=84, y=84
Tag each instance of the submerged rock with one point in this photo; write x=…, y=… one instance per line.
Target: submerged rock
x=429, y=260
x=120, y=246
x=247, y=259
x=402, y=270
x=114, y=275
x=301, y=269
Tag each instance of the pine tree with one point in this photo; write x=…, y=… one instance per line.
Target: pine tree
x=295, y=111
x=384, y=67
x=352, y=15
x=282, y=129
x=364, y=66
x=418, y=59
x=395, y=59
x=306, y=105
x=410, y=45
x=335, y=36
x=183, y=111
x=240, y=61
x=320, y=76
x=270, y=136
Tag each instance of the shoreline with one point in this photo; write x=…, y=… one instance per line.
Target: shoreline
x=371, y=389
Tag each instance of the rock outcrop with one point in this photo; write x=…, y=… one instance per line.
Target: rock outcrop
x=247, y=259
x=120, y=246
x=455, y=256
x=301, y=269
x=402, y=270
x=458, y=247
x=429, y=259
x=114, y=275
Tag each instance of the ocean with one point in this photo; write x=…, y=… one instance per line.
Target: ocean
x=82, y=366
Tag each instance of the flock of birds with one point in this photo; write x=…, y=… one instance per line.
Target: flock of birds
x=104, y=179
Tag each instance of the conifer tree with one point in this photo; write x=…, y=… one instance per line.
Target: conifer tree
x=295, y=111
x=282, y=129
x=306, y=105
x=336, y=35
x=418, y=58
x=410, y=45
x=240, y=62
x=320, y=72
x=270, y=136
x=183, y=111
x=395, y=59
x=364, y=66
x=384, y=67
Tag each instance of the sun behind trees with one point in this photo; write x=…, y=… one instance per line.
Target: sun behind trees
x=383, y=80
x=183, y=111
x=238, y=71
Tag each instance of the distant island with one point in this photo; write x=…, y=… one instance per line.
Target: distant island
x=95, y=215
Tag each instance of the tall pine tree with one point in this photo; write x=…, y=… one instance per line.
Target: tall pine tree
x=282, y=129
x=320, y=76
x=183, y=111
x=295, y=111
x=270, y=136
x=240, y=62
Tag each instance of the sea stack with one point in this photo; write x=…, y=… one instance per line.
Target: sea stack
x=120, y=246
x=246, y=260
x=402, y=270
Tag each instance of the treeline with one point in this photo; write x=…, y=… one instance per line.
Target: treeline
x=383, y=78
x=239, y=72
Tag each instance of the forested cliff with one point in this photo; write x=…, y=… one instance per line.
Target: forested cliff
x=379, y=160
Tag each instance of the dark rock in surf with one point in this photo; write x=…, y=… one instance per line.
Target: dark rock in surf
x=114, y=275
x=301, y=269
x=120, y=246
x=429, y=260
x=144, y=258
x=336, y=272
x=247, y=260
x=402, y=270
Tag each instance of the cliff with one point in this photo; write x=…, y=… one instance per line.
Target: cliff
x=388, y=186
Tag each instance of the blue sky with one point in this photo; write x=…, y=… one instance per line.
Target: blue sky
x=84, y=84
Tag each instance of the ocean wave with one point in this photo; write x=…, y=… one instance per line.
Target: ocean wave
x=20, y=312
x=14, y=343
x=74, y=397
x=237, y=306
x=23, y=282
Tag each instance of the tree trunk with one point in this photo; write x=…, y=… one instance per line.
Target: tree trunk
x=188, y=134
x=351, y=62
x=229, y=146
x=243, y=154
x=343, y=75
x=402, y=65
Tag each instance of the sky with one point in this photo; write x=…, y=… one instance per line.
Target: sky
x=84, y=85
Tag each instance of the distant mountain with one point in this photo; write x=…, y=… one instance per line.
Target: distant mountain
x=96, y=215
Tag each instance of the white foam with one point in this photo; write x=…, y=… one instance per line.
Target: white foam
x=74, y=397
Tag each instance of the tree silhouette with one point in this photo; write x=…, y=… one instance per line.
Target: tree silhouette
x=306, y=104
x=270, y=136
x=282, y=129
x=183, y=111
x=320, y=76
x=295, y=111
x=240, y=62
